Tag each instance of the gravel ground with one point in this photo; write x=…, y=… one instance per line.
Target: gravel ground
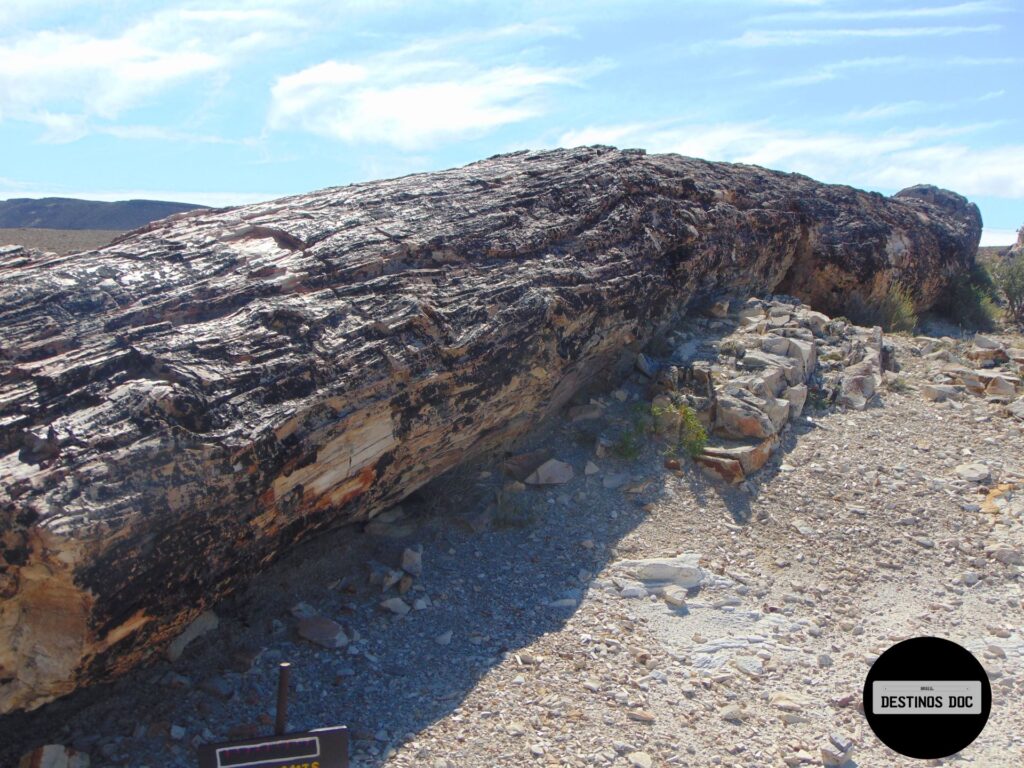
x=60, y=241
x=521, y=649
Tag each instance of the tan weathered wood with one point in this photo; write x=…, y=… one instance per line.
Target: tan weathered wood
x=179, y=407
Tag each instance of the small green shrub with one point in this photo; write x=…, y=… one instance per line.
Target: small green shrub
x=733, y=348
x=897, y=310
x=899, y=384
x=641, y=416
x=817, y=400
x=983, y=280
x=893, y=310
x=627, y=445
x=692, y=436
x=512, y=513
x=1009, y=280
x=972, y=303
x=584, y=436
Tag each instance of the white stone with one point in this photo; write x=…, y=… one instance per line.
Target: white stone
x=634, y=592
x=303, y=611
x=412, y=561
x=732, y=712
x=614, y=481
x=797, y=397
x=938, y=393
x=973, y=472
x=986, y=342
x=323, y=631
x=54, y=756
x=788, y=701
x=551, y=472
x=681, y=571
x=396, y=605
x=675, y=596
x=206, y=621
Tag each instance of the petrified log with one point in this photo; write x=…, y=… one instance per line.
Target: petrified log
x=180, y=406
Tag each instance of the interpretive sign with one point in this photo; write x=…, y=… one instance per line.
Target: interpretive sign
x=320, y=748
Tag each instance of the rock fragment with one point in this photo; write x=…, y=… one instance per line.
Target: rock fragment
x=973, y=472
x=322, y=631
x=412, y=561
x=54, y=756
x=205, y=622
x=551, y=472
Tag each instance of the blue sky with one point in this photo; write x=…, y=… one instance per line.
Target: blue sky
x=232, y=101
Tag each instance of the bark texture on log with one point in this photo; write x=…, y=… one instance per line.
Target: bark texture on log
x=178, y=407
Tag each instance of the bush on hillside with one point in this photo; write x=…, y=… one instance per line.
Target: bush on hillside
x=972, y=303
x=1009, y=279
x=893, y=309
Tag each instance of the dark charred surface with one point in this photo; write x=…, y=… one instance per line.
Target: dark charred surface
x=180, y=406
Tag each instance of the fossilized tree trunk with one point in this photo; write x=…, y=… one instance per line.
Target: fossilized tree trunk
x=177, y=408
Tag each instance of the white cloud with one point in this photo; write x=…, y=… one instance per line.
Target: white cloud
x=159, y=133
x=897, y=109
x=65, y=80
x=990, y=236
x=14, y=12
x=927, y=12
x=424, y=93
x=914, y=107
x=888, y=160
x=101, y=76
x=840, y=69
x=764, y=38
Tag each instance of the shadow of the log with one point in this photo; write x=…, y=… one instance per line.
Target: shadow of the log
x=499, y=571
x=496, y=579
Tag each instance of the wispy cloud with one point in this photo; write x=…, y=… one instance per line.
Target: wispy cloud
x=161, y=133
x=898, y=109
x=926, y=12
x=840, y=69
x=424, y=93
x=66, y=80
x=765, y=38
x=887, y=160
x=837, y=69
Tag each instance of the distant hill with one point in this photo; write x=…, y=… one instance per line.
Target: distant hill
x=69, y=213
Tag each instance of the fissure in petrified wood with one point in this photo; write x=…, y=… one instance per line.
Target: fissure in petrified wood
x=178, y=407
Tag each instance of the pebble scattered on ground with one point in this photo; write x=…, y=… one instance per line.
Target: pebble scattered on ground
x=624, y=608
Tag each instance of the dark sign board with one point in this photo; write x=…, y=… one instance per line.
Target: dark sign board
x=320, y=748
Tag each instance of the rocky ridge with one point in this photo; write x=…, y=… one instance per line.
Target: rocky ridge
x=178, y=408
x=71, y=213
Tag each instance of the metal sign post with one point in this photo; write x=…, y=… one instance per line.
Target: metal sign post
x=319, y=748
x=281, y=723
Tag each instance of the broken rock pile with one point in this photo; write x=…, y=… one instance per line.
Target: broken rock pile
x=984, y=367
x=778, y=353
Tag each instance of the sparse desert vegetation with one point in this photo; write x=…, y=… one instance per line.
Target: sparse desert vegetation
x=61, y=241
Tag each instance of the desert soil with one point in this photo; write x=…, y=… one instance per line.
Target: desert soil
x=60, y=241
x=522, y=650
